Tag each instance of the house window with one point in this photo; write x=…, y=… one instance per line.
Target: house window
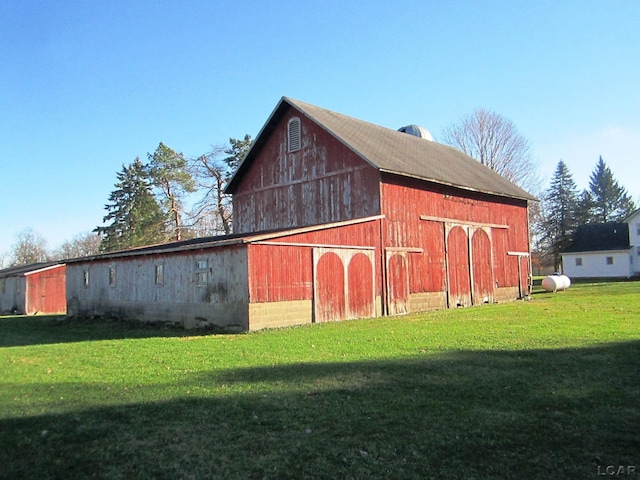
x=294, y=135
x=202, y=273
x=578, y=262
x=159, y=273
x=85, y=278
x=609, y=260
x=112, y=276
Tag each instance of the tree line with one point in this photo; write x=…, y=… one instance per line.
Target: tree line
x=169, y=197
x=150, y=202
x=564, y=208
x=153, y=201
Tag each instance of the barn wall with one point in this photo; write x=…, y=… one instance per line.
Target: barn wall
x=196, y=289
x=12, y=295
x=405, y=201
x=46, y=291
x=285, y=288
x=323, y=182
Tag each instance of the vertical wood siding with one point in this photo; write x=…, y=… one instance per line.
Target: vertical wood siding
x=361, y=288
x=46, y=291
x=323, y=182
x=458, y=268
x=280, y=273
x=329, y=288
x=482, y=270
x=343, y=284
x=405, y=200
x=397, y=283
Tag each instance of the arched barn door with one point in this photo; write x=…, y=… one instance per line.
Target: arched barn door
x=397, y=283
x=482, y=268
x=329, y=288
x=343, y=284
x=458, y=268
x=360, y=287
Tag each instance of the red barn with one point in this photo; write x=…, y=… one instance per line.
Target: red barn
x=358, y=221
x=34, y=288
x=451, y=231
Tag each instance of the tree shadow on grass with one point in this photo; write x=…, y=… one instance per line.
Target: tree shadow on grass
x=565, y=413
x=23, y=330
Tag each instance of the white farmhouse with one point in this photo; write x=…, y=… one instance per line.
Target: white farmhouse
x=605, y=250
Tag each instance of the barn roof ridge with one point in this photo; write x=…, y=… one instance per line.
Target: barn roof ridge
x=394, y=152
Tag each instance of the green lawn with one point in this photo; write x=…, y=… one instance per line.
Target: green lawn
x=547, y=388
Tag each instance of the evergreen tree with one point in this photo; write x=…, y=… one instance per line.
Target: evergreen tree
x=611, y=202
x=170, y=175
x=135, y=217
x=236, y=152
x=560, y=207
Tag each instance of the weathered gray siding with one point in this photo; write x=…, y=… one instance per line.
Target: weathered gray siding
x=12, y=294
x=182, y=297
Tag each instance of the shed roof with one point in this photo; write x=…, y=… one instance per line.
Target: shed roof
x=391, y=151
x=600, y=237
x=28, y=269
x=218, y=241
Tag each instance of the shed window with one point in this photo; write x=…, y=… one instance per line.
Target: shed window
x=202, y=273
x=609, y=260
x=85, y=278
x=578, y=262
x=159, y=274
x=294, y=135
x=112, y=276
x=638, y=228
x=2, y=285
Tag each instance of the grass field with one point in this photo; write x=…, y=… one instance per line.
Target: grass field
x=548, y=388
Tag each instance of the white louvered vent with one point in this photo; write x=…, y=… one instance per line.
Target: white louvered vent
x=294, y=134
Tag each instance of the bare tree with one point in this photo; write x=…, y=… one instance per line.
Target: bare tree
x=213, y=212
x=30, y=247
x=81, y=245
x=494, y=141
x=212, y=171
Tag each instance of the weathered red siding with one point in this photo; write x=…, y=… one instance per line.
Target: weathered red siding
x=459, y=280
x=323, y=182
x=418, y=214
x=397, y=284
x=330, y=288
x=279, y=273
x=46, y=291
x=482, y=270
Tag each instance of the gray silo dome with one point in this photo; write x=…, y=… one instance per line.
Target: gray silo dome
x=417, y=131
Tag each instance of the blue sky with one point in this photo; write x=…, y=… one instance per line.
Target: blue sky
x=87, y=86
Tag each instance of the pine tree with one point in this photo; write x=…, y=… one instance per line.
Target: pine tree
x=560, y=208
x=135, y=217
x=169, y=173
x=610, y=201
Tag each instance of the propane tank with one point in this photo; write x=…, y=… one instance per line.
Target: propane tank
x=555, y=283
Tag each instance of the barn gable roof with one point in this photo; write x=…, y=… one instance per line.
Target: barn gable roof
x=600, y=237
x=392, y=152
